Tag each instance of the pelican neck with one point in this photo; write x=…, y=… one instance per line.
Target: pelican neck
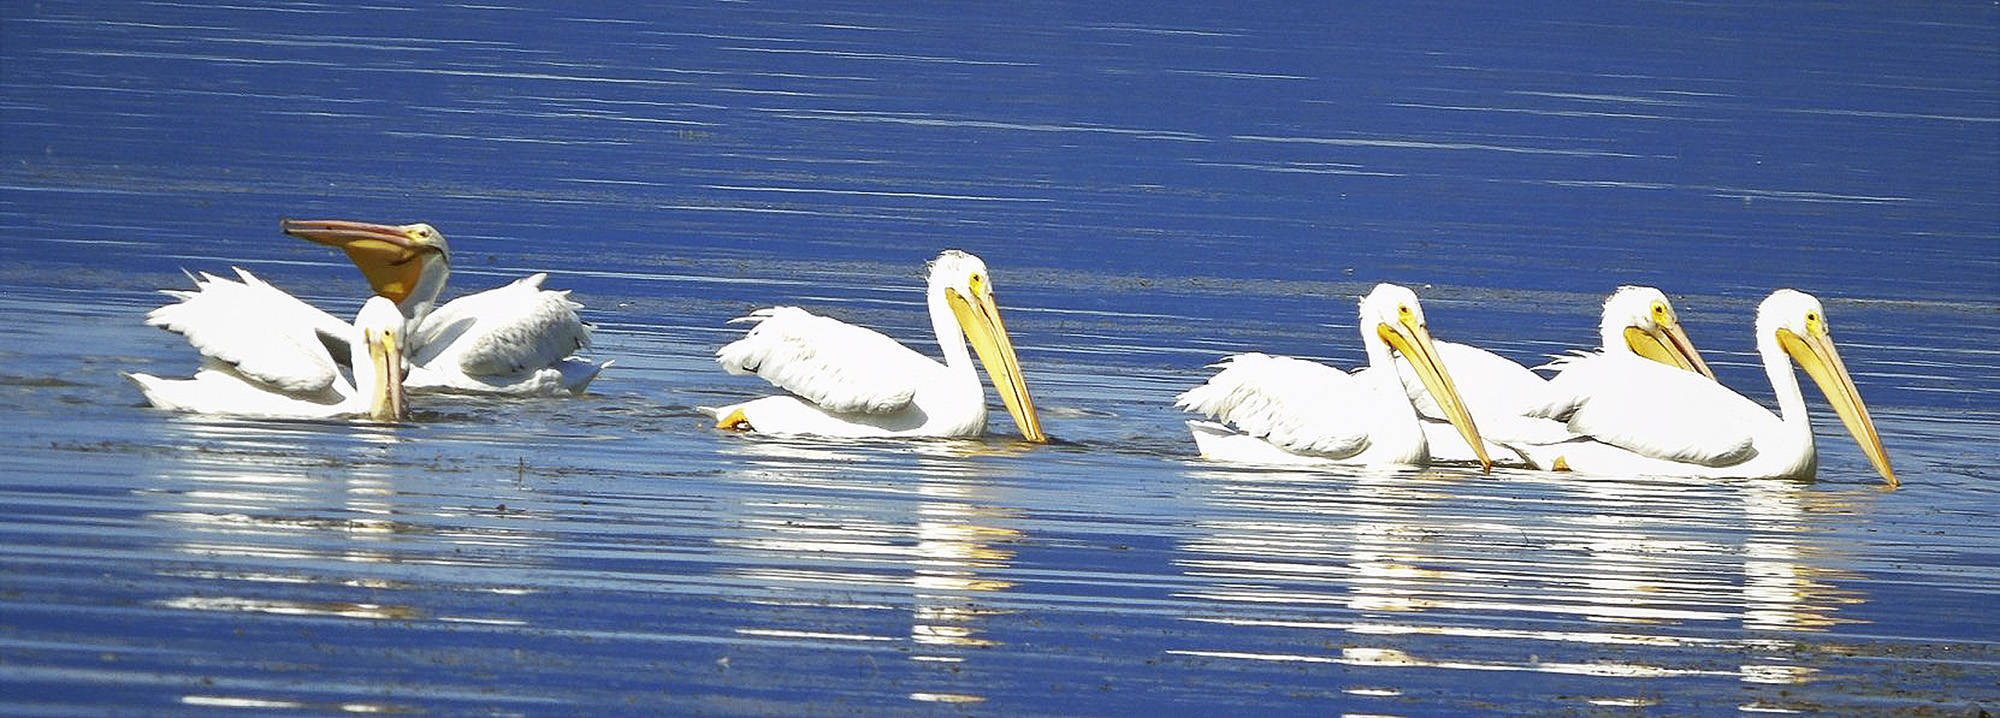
x=951, y=338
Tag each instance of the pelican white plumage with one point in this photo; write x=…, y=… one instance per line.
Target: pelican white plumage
x=1645, y=417
x=850, y=381
x=1509, y=401
x=1285, y=410
x=516, y=339
x=281, y=369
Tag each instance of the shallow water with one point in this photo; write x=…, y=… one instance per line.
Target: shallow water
x=1152, y=192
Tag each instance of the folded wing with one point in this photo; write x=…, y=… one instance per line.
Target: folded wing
x=837, y=366
x=1295, y=404
x=503, y=331
x=1653, y=409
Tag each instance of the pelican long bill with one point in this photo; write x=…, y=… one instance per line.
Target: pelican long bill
x=979, y=317
x=386, y=403
x=1669, y=345
x=1814, y=352
x=1413, y=341
x=386, y=254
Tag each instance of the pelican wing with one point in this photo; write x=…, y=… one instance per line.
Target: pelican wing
x=503, y=331
x=835, y=365
x=1653, y=409
x=258, y=330
x=1295, y=404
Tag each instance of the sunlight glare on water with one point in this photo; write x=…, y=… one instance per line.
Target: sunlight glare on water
x=1152, y=190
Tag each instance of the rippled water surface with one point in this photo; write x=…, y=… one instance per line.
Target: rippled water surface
x=1153, y=189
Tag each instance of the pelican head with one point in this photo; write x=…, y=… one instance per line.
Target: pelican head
x=381, y=377
x=1641, y=319
x=961, y=279
x=1797, y=322
x=406, y=263
x=1391, y=314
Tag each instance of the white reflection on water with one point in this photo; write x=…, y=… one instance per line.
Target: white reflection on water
x=1782, y=592
x=215, y=701
x=878, y=541
x=253, y=510
x=1394, y=560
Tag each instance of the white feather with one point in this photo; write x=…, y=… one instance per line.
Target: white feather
x=1655, y=410
x=258, y=331
x=220, y=388
x=1300, y=406
x=514, y=339
x=836, y=366
x=1217, y=442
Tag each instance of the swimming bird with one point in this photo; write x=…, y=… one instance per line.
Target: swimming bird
x=1286, y=410
x=515, y=339
x=1636, y=416
x=281, y=369
x=1508, y=400
x=850, y=381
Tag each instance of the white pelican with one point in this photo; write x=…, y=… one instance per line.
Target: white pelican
x=1507, y=399
x=853, y=381
x=514, y=339
x=1287, y=410
x=1645, y=417
x=281, y=369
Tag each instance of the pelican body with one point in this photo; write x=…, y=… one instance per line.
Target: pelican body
x=850, y=381
x=1508, y=400
x=516, y=339
x=1283, y=410
x=1645, y=417
x=284, y=370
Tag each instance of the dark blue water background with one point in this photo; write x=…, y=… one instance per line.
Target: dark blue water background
x=1153, y=188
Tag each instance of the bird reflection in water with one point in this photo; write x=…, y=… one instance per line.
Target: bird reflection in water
x=251, y=513
x=1786, y=587
x=879, y=526
x=257, y=511
x=1405, y=565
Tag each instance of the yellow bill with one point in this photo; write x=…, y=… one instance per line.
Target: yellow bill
x=1667, y=345
x=979, y=317
x=1815, y=354
x=386, y=400
x=1414, y=342
x=390, y=256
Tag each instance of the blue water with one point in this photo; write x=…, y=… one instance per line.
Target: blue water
x=1153, y=189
